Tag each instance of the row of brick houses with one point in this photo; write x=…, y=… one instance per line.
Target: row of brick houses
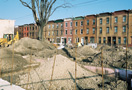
x=27, y=30
x=108, y=28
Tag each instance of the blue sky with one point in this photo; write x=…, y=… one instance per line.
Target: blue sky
x=14, y=10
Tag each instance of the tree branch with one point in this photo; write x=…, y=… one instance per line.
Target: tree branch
x=25, y=4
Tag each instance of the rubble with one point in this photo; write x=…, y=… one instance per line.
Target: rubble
x=64, y=71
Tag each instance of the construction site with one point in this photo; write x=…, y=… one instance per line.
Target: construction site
x=30, y=64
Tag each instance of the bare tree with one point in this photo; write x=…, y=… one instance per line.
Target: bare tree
x=42, y=10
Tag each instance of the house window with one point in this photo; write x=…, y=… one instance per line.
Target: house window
x=33, y=28
x=77, y=40
x=87, y=22
x=49, y=26
x=76, y=31
x=124, y=40
x=81, y=23
x=91, y=39
x=52, y=25
x=87, y=30
x=107, y=20
x=116, y=29
x=52, y=32
x=70, y=32
x=100, y=30
x=65, y=32
x=66, y=24
x=57, y=25
x=104, y=40
x=99, y=39
x=69, y=40
x=81, y=31
x=124, y=29
x=57, y=33
x=61, y=25
x=107, y=29
x=93, y=21
x=100, y=20
x=49, y=33
x=93, y=30
x=124, y=18
x=71, y=24
x=75, y=23
x=119, y=40
x=116, y=19
x=61, y=32
x=58, y=40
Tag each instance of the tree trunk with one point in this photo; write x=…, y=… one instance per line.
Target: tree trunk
x=41, y=32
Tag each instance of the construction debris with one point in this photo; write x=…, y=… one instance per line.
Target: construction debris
x=64, y=71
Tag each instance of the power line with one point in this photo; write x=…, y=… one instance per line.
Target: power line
x=85, y=2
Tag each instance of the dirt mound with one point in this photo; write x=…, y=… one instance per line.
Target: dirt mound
x=63, y=77
x=87, y=51
x=27, y=46
x=112, y=57
x=6, y=55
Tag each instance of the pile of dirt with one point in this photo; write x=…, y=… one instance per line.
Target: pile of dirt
x=87, y=51
x=112, y=57
x=27, y=46
x=63, y=77
x=82, y=53
x=6, y=63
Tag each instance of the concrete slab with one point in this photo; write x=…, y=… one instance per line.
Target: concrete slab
x=5, y=85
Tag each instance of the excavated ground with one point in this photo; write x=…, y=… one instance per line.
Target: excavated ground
x=42, y=54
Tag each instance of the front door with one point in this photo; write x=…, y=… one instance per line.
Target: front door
x=114, y=40
x=86, y=40
x=65, y=41
x=82, y=41
x=109, y=41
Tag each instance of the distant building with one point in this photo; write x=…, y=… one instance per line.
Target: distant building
x=67, y=34
x=78, y=29
x=49, y=32
x=90, y=30
x=112, y=28
x=6, y=27
x=27, y=30
x=54, y=31
x=33, y=31
x=104, y=28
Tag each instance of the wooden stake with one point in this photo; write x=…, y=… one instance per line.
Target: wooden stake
x=102, y=68
x=29, y=68
x=11, y=79
x=53, y=70
x=75, y=65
